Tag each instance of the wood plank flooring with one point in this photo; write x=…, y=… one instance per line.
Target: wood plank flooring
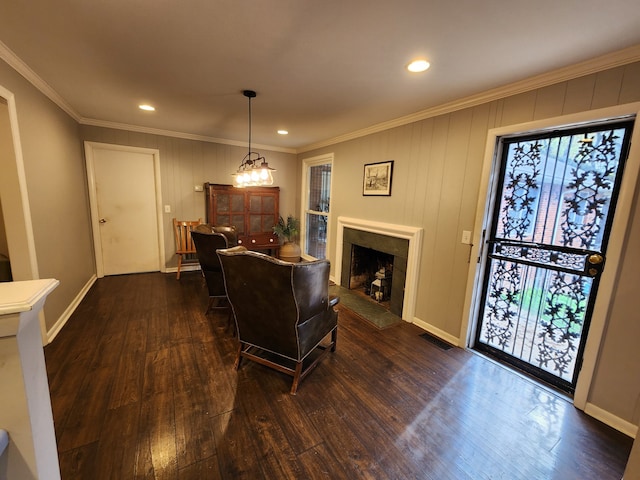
x=143, y=387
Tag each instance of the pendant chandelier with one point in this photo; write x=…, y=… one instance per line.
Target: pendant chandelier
x=254, y=169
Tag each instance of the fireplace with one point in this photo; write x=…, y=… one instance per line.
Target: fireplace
x=374, y=252
x=386, y=255
x=371, y=273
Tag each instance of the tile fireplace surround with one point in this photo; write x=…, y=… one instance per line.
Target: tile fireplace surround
x=412, y=234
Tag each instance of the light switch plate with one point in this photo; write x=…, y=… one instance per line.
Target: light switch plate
x=167, y=209
x=466, y=237
x=197, y=188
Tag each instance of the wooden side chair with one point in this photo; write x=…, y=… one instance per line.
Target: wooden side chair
x=184, y=242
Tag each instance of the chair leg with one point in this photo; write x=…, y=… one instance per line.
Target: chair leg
x=238, y=356
x=334, y=339
x=179, y=265
x=210, y=305
x=230, y=323
x=296, y=378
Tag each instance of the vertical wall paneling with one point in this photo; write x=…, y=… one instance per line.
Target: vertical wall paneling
x=579, y=95
x=630, y=83
x=549, y=101
x=430, y=303
x=518, y=108
x=607, y=88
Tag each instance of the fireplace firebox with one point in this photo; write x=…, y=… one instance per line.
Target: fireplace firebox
x=371, y=273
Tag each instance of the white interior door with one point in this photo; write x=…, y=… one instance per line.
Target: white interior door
x=124, y=190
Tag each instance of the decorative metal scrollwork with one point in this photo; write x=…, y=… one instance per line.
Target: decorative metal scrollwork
x=542, y=256
x=590, y=190
x=562, y=321
x=520, y=190
x=501, y=309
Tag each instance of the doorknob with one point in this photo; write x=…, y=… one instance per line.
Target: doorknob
x=595, y=262
x=103, y=220
x=595, y=259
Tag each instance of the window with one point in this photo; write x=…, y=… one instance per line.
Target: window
x=316, y=183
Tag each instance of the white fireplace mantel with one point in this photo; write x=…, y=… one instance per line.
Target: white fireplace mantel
x=413, y=234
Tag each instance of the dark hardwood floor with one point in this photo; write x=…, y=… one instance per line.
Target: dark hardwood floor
x=143, y=386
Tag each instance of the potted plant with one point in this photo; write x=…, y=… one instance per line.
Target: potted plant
x=287, y=232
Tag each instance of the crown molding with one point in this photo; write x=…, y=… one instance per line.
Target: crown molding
x=186, y=136
x=598, y=64
x=32, y=77
x=604, y=62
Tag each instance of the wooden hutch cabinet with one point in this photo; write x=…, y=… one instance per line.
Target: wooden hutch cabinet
x=252, y=210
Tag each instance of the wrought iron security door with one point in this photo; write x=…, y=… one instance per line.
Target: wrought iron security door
x=546, y=249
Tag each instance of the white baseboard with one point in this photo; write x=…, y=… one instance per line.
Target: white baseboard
x=441, y=334
x=610, y=419
x=185, y=268
x=55, y=329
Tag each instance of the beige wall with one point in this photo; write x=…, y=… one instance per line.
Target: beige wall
x=57, y=193
x=619, y=361
x=632, y=472
x=436, y=181
x=187, y=163
x=6, y=132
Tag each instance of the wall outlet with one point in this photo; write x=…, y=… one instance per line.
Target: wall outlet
x=466, y=237
x=198, y=188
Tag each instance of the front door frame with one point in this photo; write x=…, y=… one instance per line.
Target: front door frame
x=93, y=198
x=622, y=217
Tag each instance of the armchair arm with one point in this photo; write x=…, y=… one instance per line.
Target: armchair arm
x=333, y=300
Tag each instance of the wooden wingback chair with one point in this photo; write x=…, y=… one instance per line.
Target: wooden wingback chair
x=282, y=310
x=184, y=243
x=207, y=242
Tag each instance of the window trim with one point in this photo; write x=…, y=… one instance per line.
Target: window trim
x=307, y=163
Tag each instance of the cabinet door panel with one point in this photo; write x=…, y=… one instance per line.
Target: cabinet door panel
x=269, y=205
x=268, y=221
x=238, y=222
x=255, y=224
x=222, y=204
x=237, y=203
x=255, y=204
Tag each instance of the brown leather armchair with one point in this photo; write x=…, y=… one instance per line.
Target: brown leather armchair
x=228, y=231
x=282, y=310
x=206, y=245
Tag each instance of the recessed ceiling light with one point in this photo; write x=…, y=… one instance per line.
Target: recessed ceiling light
x=147, y=108
x=418, y=66
x=283, y=132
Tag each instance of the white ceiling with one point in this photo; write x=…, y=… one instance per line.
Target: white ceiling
x=321, y=68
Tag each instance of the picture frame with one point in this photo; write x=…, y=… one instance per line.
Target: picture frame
x=377, y=178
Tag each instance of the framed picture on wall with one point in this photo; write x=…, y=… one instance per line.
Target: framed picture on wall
x=377, y=178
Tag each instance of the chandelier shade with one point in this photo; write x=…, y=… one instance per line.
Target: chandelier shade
x=254, y=170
